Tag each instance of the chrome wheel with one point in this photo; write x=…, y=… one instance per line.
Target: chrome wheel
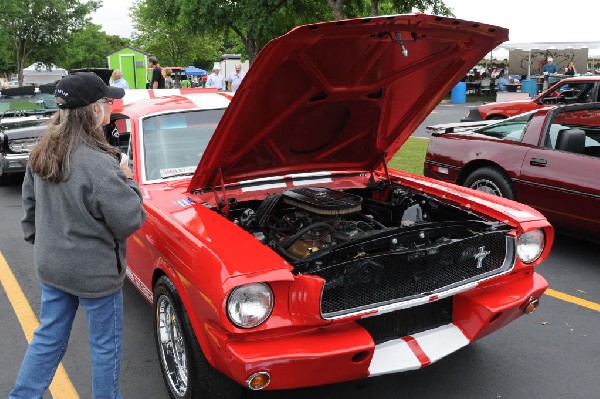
x=491, y=180
x=171, y=343
x=487, y=186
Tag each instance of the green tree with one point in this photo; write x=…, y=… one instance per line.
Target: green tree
x=89, y=47
x=84, y=48
x=33, y=25
x=436, y=7
x=160, y=32
x=357, y=8
x=254, y=22
x=8, y=65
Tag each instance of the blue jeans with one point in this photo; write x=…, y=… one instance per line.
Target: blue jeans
x=49, y=343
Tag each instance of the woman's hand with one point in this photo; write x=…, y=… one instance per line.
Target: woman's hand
x=125, y=166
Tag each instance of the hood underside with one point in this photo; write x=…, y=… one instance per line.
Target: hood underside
x=342, y=95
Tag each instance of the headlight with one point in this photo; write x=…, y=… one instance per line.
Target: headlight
x=250, y=305
x=530, y=245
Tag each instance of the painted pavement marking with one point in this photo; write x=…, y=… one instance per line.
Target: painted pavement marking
x=61, y=386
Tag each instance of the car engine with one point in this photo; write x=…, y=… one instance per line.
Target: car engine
x=303, y=224
x=377, y=245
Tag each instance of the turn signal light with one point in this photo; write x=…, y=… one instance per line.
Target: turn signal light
x=258, y=381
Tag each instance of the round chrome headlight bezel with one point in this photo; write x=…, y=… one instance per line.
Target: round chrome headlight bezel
x=530, y=245
x=250, y=305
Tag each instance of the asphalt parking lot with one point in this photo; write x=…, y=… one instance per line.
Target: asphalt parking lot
x=550, y=354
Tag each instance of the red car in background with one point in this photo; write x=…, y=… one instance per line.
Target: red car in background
x=582, y=89
x=548, y=159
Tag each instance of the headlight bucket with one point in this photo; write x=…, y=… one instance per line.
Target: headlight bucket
x=530, y=245
x=250, y=305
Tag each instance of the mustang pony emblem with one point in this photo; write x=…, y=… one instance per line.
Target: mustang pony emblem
x=480, y=256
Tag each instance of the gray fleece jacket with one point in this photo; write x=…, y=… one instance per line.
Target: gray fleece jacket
x=79, y=226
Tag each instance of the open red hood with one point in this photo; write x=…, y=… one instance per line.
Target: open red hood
x=340, y=95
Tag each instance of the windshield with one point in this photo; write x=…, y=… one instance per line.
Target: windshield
x=173, y=143
x=509, y=129
x=26, y=104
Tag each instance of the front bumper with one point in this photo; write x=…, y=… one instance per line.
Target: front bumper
x=345, y=351
x=13, y=163
x=473, y=116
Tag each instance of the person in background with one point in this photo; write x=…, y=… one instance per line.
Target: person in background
x=215, y=80
x=80, y=204
x=235, y=78
x=185, y=83
x=502, y=82
x=570, y=69
x=158, y=81
x=118, y=80
x=549, y=68
x=176, y=82
x=169, y=83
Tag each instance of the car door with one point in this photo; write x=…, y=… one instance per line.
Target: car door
x=562, y=183
x=570, y=93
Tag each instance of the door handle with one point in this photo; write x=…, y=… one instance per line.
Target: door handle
x=538, y=162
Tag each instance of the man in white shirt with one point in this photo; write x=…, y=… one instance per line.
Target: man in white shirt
x=118, y=80
x=215, y=80
x=235, y=78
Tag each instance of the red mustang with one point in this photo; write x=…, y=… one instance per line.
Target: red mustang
x=582, y=89
x=279, y=251
x=547, y=158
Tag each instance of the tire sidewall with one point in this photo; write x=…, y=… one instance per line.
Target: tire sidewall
x=497, y=177
x=165, y=287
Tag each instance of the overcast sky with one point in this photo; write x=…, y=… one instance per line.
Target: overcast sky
x=527, y=21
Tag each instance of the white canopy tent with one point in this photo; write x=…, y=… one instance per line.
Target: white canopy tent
x=528, y=58
x=39, y=73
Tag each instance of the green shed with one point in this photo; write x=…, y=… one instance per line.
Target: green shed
x=133, y=63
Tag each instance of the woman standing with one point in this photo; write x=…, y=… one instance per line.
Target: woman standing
x=80, y=205
x=570, y=69
x=169, y=83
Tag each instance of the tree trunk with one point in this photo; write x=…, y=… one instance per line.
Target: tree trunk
x=374, y=8
x=249, y=42
x=21, y=54
x=251, y=47
x=337, y=6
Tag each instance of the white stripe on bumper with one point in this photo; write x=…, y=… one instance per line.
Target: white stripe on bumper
x=396, y=355
x=391, y=357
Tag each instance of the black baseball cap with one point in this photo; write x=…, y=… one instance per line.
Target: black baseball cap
x=83, y=88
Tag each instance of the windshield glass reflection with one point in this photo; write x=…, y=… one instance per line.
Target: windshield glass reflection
x=174, y=143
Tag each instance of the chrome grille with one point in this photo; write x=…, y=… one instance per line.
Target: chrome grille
x=395, y=276
x=22, y=146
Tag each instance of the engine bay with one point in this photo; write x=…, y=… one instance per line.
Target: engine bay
x=315, y=227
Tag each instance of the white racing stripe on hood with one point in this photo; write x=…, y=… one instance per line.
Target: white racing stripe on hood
x=135, y=95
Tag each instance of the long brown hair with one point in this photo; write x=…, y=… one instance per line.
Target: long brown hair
x=51, y=157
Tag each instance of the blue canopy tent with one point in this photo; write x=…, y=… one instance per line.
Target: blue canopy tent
x=193, y=71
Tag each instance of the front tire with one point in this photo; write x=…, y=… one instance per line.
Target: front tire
x=492, y=181
x=186, y=372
